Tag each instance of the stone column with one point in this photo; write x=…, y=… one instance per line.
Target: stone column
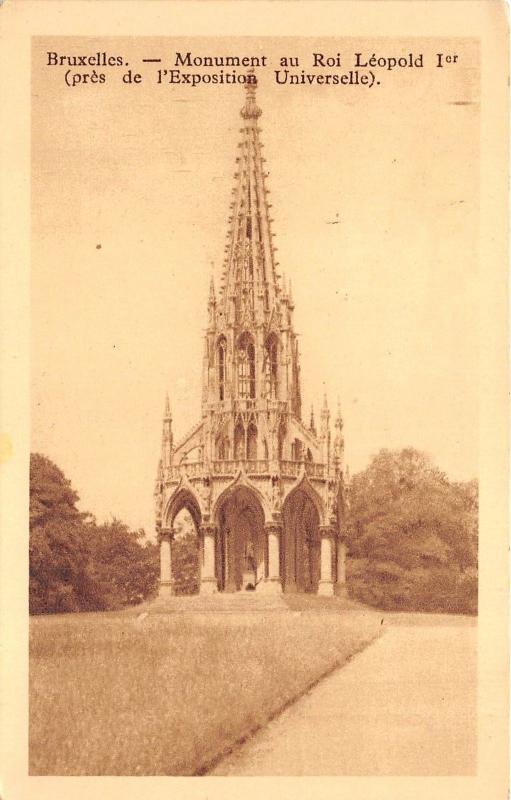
x=272, y=583
x=326, y=581
x=165, y=538
x=340, y=586
x=289, y=564
x=208, y=581
x=230, y=585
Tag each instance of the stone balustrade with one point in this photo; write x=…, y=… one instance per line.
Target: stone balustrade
x=289, y=469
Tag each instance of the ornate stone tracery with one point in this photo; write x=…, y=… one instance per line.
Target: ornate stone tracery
x=256, y=480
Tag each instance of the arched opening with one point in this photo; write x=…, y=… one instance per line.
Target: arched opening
x=310, y=459
x=301, y=543
x=183, y=517
x=241, y=552
x=185, y=554
x=221, y=361
x=252, y=442
x=239, y=441
x=246, y=367
x=271, y=367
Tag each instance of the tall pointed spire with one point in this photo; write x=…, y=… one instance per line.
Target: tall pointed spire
x=338, y=420
x=250, y=286
x=167, y=442
x=212, y=300
x=251, y=418
x=212, y=295
x=312, y=426
x=339, y=438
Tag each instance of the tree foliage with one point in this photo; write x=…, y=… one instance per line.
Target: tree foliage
x=185, y=555
x=413, y=535
x=76, y=564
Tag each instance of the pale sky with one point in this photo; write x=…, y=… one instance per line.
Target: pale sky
x=386, y=300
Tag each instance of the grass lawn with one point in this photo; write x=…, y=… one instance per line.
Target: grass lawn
x=111, y=694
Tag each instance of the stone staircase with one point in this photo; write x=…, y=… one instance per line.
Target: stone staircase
x=224, y=603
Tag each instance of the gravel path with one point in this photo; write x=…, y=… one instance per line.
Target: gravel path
x=404, y=706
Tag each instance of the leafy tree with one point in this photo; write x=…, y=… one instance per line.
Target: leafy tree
x=185, y=555
x=125, y=570
x=413, y=535
x=51, y=494
x=76, y=564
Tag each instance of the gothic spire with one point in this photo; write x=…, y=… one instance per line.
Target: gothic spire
x=212, y=301
x=166, y=435
x=212, y=296
x=338, y=420
x=339, y=439
x=166, y=413
x=312, y=426
x=250, y=287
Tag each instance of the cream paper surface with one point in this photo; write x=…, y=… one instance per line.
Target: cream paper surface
x=64, y=296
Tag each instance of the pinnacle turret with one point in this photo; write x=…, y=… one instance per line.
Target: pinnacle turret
x=339, y=439
x=166, y=436
x=338, y=419
x=166, y=413
x=212, y=303
x=312, y=426
x=212, y=295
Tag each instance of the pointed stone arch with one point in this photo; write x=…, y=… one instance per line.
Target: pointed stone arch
x=303, y=484
x=240, y=515
x=241, y=480
x=239, y=449
x=252, y=442
x=245, y=357
x=301, y=517
x=183, y=497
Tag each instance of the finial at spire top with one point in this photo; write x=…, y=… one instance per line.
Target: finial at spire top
x=167, y=406
x=251, y=110
x=338, y=422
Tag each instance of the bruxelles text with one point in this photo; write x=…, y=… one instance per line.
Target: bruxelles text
x=358, y=68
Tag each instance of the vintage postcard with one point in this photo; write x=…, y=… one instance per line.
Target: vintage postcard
x=255, y=380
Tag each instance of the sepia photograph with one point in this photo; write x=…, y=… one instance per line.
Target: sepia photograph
x=256, y=370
